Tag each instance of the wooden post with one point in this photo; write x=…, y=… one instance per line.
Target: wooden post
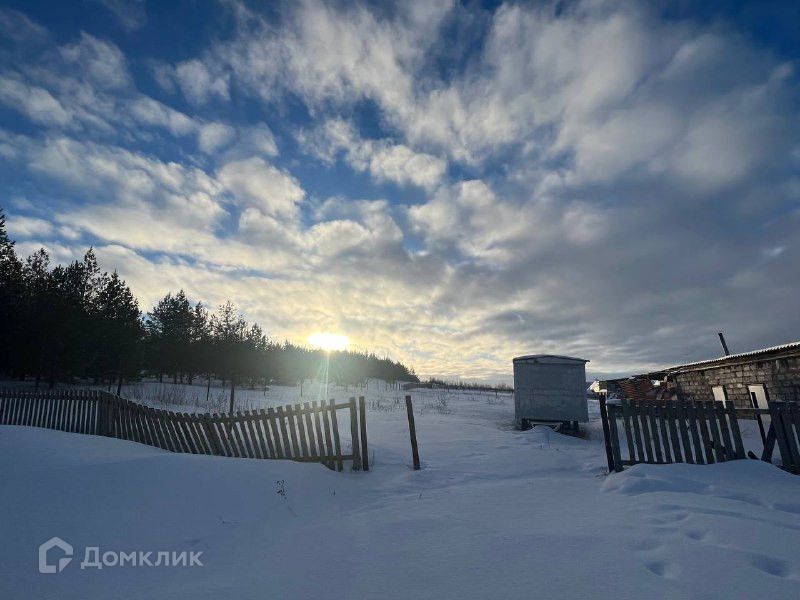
x=606, y=432
x=337, y=446
x=354, y=435
x=362, y=410
x=413, y=432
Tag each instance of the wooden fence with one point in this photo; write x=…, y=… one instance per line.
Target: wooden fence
x=308, y=432
x=667, y=432
x=785, y=430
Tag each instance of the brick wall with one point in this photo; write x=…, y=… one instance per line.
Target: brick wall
x=781, y=377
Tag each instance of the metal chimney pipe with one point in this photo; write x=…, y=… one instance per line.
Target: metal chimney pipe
x=724, y=345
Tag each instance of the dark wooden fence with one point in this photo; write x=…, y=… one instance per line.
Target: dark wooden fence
x=667, y=432
x=785, y=430
x=308, y=432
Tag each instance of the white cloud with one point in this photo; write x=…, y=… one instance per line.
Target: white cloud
x=101, y=62
x=35, y=102
x=147, y=111
x=385, y=160
x=131, y=14
x=255, y=183
x=27, y=227
x=196, y=81
x=213, y=136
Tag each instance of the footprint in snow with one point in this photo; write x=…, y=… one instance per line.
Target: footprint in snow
x=769, y=565
x=696, y=534
x=662, y=569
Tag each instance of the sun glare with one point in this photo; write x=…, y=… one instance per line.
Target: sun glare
x=329, y=341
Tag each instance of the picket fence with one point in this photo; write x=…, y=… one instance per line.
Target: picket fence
x=307, y=432
x=659, y=432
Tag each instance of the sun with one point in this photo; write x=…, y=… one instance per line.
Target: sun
x=329, y=341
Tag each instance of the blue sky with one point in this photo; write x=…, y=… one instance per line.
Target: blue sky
x=449, y=183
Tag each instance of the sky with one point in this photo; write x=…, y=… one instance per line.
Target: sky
x=451, y=184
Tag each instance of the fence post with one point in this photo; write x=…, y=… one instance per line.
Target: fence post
x=354, y=435
x=413, y=432
x=335, y=429
x=363, y=422
x=606, y=432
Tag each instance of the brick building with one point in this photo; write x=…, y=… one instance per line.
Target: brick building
x=769, y=373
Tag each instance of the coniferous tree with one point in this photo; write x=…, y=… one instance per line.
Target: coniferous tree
x=119, y=322
x=11, y=283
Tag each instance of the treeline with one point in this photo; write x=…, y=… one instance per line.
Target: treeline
x=74, y=322
x=433, y=382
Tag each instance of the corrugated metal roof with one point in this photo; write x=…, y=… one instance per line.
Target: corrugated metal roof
x=789, y=346
x=581, y=360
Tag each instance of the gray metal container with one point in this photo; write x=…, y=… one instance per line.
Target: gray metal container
x=550, y=388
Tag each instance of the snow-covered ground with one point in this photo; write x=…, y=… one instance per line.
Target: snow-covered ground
x=494, y=513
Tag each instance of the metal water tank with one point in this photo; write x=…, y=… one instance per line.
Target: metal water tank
x=550, y=388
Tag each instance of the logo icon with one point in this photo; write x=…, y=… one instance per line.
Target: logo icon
x=55, y=542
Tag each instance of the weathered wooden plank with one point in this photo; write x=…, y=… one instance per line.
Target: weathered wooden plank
x=255, y=434
x=196, y=433
x=301, y=431
x=354, y=435
x=654, y=434
x=141, y=424
x=249, y=449
x=261, y=432
x=662, y=416
x=735, y=431
x=292, y=425
x=716, y=436
x=794, y=414
x=285, y=442
x=412, y=429
x=166, y=431
x=641, y=412
x=328, y=436
x=173, y=423
x=336, y=442
x=683, y=427
x=604, y=420
x=776, y=422
x=232, y=432
x=80, y=404
x=613, y=412
x=309, y=427
x=691, y=415
x=791, y=461
x=702, y=423
x=319, y=433
x=187, y=426
x=155, y=429
x=724, y=429
x=362, y=421
x=263, y=421
x=30, y=410
x=671, y=416
x=272, y=415
x=639, y=456
x=211, y=434
x=218, y=425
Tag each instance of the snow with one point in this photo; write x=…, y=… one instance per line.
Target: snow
x=494, y=513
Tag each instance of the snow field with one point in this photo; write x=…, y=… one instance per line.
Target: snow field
x=494, y=513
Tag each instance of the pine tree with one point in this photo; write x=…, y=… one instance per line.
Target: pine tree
x=10, y=292
x=119, y=322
